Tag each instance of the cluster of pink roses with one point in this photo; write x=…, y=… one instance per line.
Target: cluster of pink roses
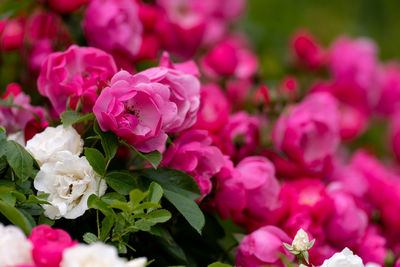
x=268, y=159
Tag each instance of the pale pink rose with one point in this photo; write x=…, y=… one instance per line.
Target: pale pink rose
x=347, y=224
x=135, y=108
x=389, y=102
x=16, y=119
x=185, y=91
x=308, y=133
x=114, y=26
x=306, y=50
x=263, y=247
x=193, y=153
x=241, y=135
x=78, y=74
x=214, y=108
x=48, y=245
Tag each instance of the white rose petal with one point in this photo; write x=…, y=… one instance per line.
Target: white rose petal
x=15, y=248
x=70, y=180
x=18, y=137
x=346, y=258
x=96, y=254
x=43, y=146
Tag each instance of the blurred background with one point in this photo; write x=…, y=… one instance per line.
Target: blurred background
x=269, y=24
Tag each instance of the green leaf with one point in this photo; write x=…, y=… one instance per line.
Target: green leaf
x=168, y=243
x=147, y=205
x=16, y=217
x=95, y=203
x=90, y=238
x=36, y=200
x=109, y=141
x=44, y=220
x=96, y=160
x=155, y=193
x=3, y=143
x=175, y=181
x=136, y=196
x=188, y=208
x=154, y=157
x=70, y=117
x=106, y=226
x=11, y=7
x=158, y=216
x=19, y=159
x=121, y=182
x=219, y=264
x=111, y=197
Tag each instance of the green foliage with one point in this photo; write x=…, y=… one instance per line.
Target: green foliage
x=121, y=182
x=70, y=117
x=154, y=157
x=109, y=141
x=19, y=159
x=96, y=160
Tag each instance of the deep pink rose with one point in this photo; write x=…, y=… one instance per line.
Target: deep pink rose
x=389, y=102
x=77, y=74
x=241, y=136
x=114, y=26
x=308, y=133
x=237, y=91
x=40, y=51
x=193, y=153
x=63, y=6
x=307, y=51
x=214, y=108
x=48, y=245
x=12, y=34
x=185, y=91
x=15, y=119
x=395, y=135
x=373, y=247
x=347, y=224
x=263, y=247
x=135, y=109
x=397, y=264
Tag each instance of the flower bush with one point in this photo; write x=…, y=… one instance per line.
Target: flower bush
x=144, y=133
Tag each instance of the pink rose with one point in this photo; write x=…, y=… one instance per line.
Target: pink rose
x=114, y=26
x=63, y=6
x=241, y=136
x=135, y=109
x=397, y=264
x=395, y=135
x=247, y=193
x=48, y=245
x=185, y=91
x=16, y=119
x=347, y=224
x=12, y=34
x=373, y=246
x=77, y=74
x=389, y=102
x=308, y=133
x=263, y=247
x=307, y=50
x=214, y=109
x=40, y=51
x=193, y=153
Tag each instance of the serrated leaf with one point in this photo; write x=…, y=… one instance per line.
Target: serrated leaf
x=158, y=216
x=136, y=196
x=147, y=205
x=106, y=226
x=109, y=141
x=96, y=160
x=19, y=159
x=175, y=181
x=95, y=203
x=219, y=264
x=121, y=182
x=188, y=208
x=70, y=117
x=90, y=238
x=15, y=216
x=154, y=157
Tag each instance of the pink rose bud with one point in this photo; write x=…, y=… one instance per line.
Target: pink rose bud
x=77, y=74
x=48, y=245
x=307, y=50
x=12, y=35
x=309, y=132
x=263, y=247
x=193, y=153
x=114, y=26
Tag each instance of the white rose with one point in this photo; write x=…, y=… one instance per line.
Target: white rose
x=70, y=180
x=15, y=249
x=18, y=137
x=43, y=146
x=301, y=241
x=346, y=258
x=96, y=254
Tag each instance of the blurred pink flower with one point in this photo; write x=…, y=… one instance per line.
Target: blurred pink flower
x=63, y=6
x=135, y=108
x=389, y=102
x=307, y=50
x=114, y=26
x=48, y=245
x=78, y=74
x=373, y=246
x=193, y=153
x=262, y=247
x=308, y=133
x=12, y=34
